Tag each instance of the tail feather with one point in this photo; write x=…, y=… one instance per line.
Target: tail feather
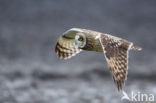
x=136, y=48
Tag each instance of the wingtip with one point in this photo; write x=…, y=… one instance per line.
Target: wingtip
x=136, y=48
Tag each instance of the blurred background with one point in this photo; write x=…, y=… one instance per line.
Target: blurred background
x=30, y=71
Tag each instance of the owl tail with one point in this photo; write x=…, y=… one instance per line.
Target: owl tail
x=136, y=48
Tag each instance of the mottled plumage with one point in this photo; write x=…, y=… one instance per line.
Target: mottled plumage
x=115, y=49
x=66, y=48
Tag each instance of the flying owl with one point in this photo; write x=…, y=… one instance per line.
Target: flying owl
x=115, y=50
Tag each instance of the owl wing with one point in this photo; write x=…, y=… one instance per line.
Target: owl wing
x=116, y=53
x=65, y=46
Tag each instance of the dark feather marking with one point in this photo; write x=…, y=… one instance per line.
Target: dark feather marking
x=67, y=37
x=62, y=46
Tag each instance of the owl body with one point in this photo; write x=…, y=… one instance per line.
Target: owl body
x=92, y=44
x=114, y=48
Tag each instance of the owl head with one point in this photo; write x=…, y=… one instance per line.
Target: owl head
x=78, y=36
x=80, y=40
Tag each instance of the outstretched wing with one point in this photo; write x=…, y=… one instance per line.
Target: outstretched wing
x=65, y=46
x=116, y=53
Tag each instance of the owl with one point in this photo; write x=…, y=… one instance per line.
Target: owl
x=115, y=50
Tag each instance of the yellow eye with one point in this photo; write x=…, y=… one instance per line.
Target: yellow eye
x=80, y=39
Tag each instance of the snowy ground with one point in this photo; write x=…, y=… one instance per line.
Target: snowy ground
x=39, y=83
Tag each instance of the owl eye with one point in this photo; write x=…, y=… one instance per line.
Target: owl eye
x=80, y=39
